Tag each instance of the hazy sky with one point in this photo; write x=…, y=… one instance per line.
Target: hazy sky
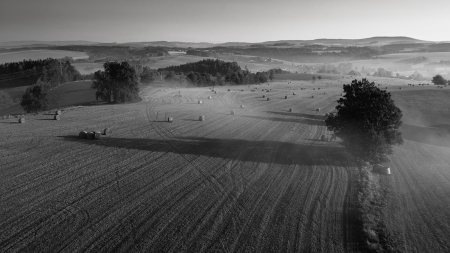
x=221, y=20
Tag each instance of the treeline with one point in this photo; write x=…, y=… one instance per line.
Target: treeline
x=214, y=72
x=28, y=72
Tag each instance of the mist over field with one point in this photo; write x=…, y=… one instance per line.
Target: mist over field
x=224, y=126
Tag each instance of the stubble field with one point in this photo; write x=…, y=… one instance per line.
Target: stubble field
x=257, y=181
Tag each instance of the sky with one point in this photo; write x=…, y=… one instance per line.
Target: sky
x=220, y=21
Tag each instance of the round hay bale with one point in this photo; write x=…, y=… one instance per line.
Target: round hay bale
x=82, y=135
x=201, y=118
x=209, y=97
x=215, y=92
x=58, y=112
x=323, y=138
x=97, y=135
x=228, y=89
x=312, y=96
x=90, y=135
x=318, y=109
x=56, y=117
x=314, y=88
x=170, y=119
x=285, y=97
x=400, y=88
x=199, y=102
x=232, y=113
x=291, y=110
x=22, y=120
x=293, y=93
x=242, y=106
x=268, y=99
x=264, y=96
x=105, y=131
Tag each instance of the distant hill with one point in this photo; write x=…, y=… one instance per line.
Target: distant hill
x=169, y=44
x=373, y=41
x=36, y=43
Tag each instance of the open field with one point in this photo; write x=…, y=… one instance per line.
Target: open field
x=257, y=181
x=39, y=54
x=88, y=67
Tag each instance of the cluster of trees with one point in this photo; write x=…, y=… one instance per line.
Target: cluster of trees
x=214, y=72
x=118, y=83
x=28, y=72
x=381, y=72
x=439, y=80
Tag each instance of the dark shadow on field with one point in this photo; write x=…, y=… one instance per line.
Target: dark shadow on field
x=307, y=121
x=242, y=150
x=428, y=135
x=302, y=115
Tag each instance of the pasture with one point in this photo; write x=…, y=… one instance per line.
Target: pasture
x=260, y=180
x=39, y=54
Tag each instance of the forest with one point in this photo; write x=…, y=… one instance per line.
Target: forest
x=28, y=72
x=214, y=72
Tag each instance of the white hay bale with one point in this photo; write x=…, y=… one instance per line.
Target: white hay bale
x=285, y=97
x=242, y=106
x=291, y=110
x=97, y=135
x=318, y=109
x=312, y=96
x=58, y=112
x=22, y=120
x=170, y=119
x=82, y=135
x=106, y=131
x=201, y=118
x=56, y=117
x=268, y=99
x=215, y=92
x=264, y=96
x=293, y=93
x=323, y=138
x=209, y=97
x=199, y=102
x=232, y=113
x=90, y=135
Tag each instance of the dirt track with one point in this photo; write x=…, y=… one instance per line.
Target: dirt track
x=260, y=180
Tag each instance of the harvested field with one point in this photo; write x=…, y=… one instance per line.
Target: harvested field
x=258, y=181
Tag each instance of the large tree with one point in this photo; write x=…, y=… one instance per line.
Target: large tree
x=35, y=99
x=118, y=83
x=367, y=121
x=439, y=80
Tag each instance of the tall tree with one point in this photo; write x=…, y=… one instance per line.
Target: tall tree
x=439, y=80
x=367, y=121
x=35, y=99
x=117, y=83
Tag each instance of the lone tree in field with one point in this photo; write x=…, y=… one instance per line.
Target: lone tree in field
x=367, y=121
x=439, y=80
x=35, y=99
x=117, y=84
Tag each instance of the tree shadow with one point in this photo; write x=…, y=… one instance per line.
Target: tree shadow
x=242, y=150
x=306, y=121
x=302, y=115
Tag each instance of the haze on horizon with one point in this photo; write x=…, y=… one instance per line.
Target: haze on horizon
x=219, y=21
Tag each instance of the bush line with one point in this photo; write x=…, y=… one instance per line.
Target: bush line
x=372, y=198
